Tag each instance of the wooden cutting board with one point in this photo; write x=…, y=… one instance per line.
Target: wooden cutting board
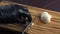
x=39, y=27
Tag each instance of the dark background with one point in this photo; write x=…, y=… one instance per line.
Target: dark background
x=47, y=4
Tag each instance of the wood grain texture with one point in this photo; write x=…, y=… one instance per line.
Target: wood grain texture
x=39, y=27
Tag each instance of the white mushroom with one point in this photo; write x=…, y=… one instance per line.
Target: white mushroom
x=45, y=17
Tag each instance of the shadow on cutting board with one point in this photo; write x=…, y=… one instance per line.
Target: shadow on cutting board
x=8, y=31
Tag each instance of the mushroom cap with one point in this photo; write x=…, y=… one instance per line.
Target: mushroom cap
x=45, y=17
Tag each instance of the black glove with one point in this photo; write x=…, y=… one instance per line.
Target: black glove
x=14, y=14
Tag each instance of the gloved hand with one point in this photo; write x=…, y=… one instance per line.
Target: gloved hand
x=14, y=14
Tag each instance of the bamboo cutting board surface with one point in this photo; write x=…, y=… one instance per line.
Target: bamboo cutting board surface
x=39, y=27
